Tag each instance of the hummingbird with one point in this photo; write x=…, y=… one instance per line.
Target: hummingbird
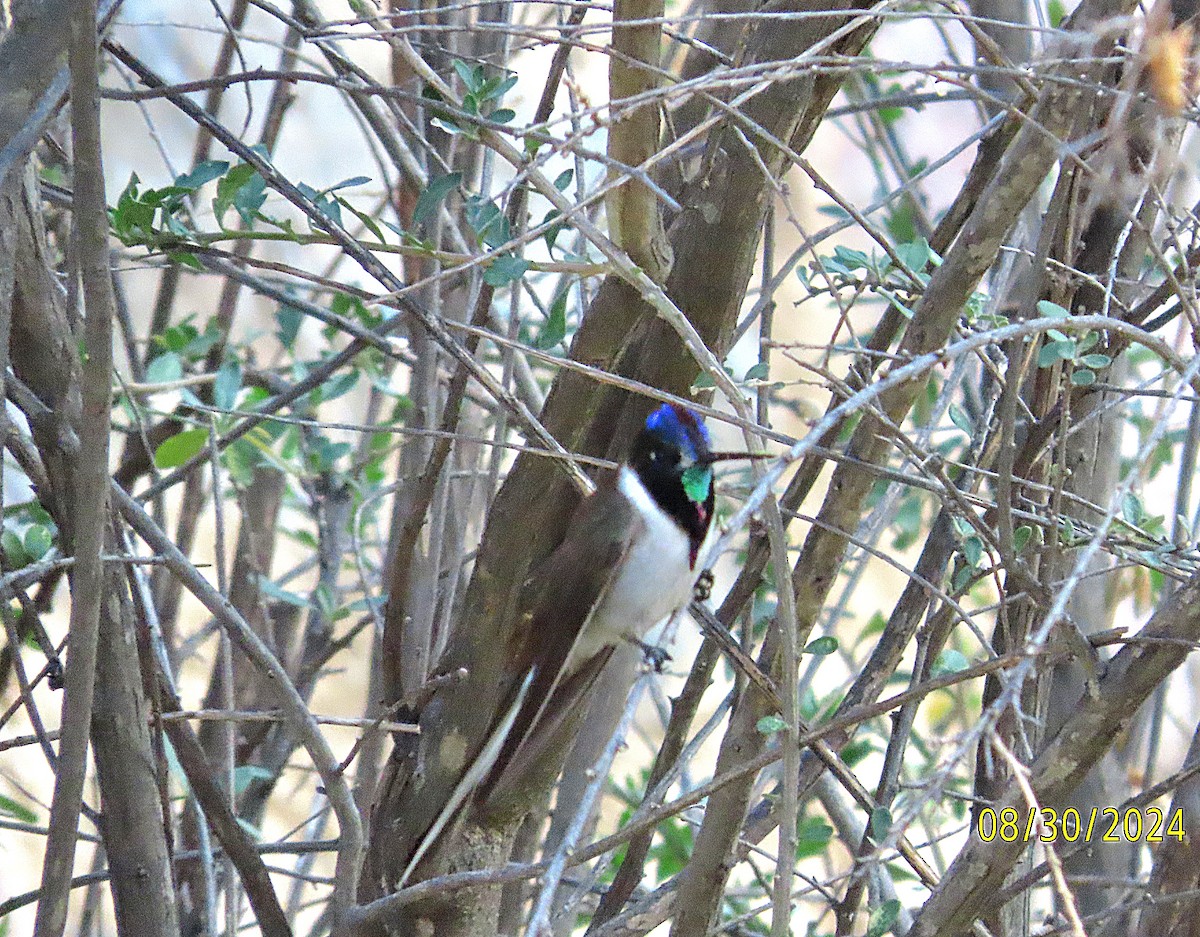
x=630, y=558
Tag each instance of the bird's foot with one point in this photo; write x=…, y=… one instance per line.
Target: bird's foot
x=652, y=654
x=54, y=673
x=703, y=587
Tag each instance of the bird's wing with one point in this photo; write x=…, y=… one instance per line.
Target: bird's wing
x=561, y=597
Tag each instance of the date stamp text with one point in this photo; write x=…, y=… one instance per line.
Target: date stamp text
x=1091, y=825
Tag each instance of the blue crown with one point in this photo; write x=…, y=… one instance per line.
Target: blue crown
x=680, y=427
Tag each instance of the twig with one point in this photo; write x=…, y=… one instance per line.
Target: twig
x=90, y=477
x=223, y=715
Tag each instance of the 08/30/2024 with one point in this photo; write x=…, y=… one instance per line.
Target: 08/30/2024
x=1095, y=824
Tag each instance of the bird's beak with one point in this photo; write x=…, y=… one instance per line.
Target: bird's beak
x=711, y=457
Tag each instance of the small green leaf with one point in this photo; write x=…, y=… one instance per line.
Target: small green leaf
x=339, y=384
x=813, y=836
x=875, y=625
x=1052, y=352
x=833, y=211
x=17, y=811
x=227, y=384
x=554, y=230
x=164, y=369
x=179, y=448
x=37, y=541
x=437, y=190
x=758, y=372
x=235, y=179
x=505, y=269
x=948, y=662
x=349, y=183
x=697, y=482
x=324, y=454
x=1021, y=537
x=958, y=416
x=915, y=254
x=487, y=221
x=883, y=918
x=555, y=329
x=808, y=704
x=204, y=172
x=185, y=259
x=329, y=207
x=1050, y=310
x=671, y=855
x=972, y=549
x=289, y=320
x=271, y=590
x=805, y=280
x=14, y=550
x=1083, y=378
x=367, y=220
x=503, y=86
x=822, y=646
x=889, y=115
x=856, y=751
x=769, y=725
x=881, y=823
x=244, y=775
x=850, y=259
x=563, y=179
x=1096, y=361
x=240, y=459
x=243, y=189
x=466, y=73
x=1131, y=509
x=447, y=125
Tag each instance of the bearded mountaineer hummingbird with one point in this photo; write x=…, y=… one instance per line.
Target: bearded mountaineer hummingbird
x=630, y=558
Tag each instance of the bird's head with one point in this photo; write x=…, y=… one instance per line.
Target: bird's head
x=674, y=446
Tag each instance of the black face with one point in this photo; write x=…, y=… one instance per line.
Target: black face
x=660, y=466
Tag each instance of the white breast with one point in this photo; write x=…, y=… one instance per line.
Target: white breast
x=655, y=579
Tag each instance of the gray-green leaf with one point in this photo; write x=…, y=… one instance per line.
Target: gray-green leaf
x=883, y=918
x=437, y=190
x=948, y=662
